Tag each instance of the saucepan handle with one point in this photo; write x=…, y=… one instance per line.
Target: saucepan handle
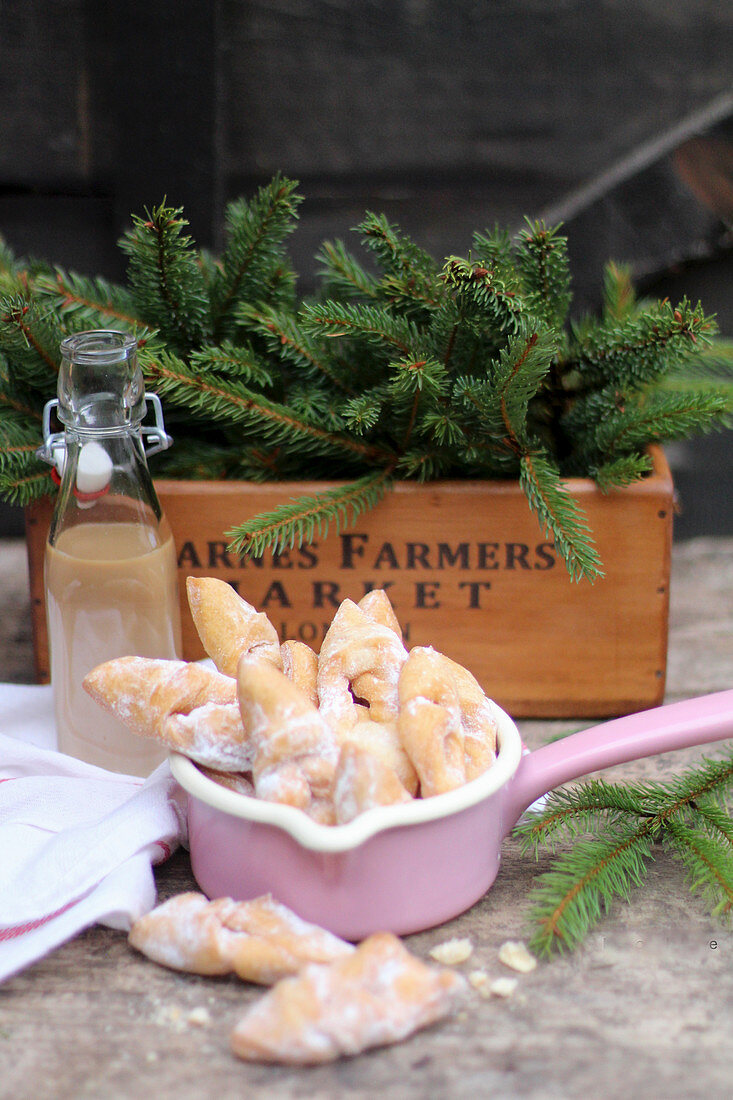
x=674, y=726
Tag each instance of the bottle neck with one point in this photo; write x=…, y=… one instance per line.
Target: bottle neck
x=104, y=478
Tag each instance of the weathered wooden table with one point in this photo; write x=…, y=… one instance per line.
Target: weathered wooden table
x=643, y=1008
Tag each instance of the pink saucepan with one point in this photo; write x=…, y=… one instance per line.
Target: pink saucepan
x=413, y=866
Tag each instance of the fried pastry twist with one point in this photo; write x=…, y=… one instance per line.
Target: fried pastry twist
x=295, y=750
x=300, y=664
x=261, y=940
x=228, y=626
x=363, y=781
x=446, y=723
x=358, y=667
x=358, y=671
x=379, y=994
x=188, y=707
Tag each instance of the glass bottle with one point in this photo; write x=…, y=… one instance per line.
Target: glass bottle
x=110, y=566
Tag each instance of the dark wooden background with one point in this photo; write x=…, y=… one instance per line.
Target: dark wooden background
x=615, y=117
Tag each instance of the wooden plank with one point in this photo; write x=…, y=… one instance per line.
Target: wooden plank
x=43, y=123
x=159, y=99
x=404, y=87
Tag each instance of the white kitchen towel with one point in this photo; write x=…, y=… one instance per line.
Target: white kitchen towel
x=77, y=843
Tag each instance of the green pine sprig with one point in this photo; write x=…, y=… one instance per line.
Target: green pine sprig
x=308, y=517
x=560, y=515
x=254, y=265
x=88, y=303
x=614, y=830
x=165, y=277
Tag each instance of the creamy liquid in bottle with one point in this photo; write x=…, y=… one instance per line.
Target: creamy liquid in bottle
x=108, y=594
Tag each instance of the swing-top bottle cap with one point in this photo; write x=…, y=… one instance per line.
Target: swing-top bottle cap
x=100, y=384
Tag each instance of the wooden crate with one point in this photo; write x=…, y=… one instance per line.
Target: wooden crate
x=469, y=572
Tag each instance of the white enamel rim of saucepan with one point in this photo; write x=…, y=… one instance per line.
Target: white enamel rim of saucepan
x=343, y=838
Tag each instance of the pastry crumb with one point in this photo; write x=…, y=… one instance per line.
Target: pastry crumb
x=199, y=1017
x=503, y=987
x=452, y=952
x=516, y=956
x=479, y=979
x=499, y=987
x=169, y=1016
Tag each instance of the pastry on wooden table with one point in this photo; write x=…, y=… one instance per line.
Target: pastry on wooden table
x=187, y=707
x=261, y=940
x=377, y=995
x=228, y=626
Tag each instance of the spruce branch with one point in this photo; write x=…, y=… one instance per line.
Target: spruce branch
x=361, y=414
x=639, y=348
x=231, y=402
x=342, y=276
x=619, y=296
x=560, y=515
x=286, y=340
x=21, y=488
x=301, y=520
x=253, y=256
x=166, y=278
x=494, y=249
x=232, y=361
x=373, y=324
x=486, y=301
x=409, y=283
x=522, y=367
x=659, y=416
x=614, y=828
x=416, y=369
x=570, y=899
x=621, y=471
x=708, y=864
x=88, y=303
x=30, y=337
x=395, y=253
x=573, y=811
x=543, y=264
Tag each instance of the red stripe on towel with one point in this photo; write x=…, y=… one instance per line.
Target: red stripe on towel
x=18, y=930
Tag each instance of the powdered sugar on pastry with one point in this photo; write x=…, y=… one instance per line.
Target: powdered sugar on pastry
x=377, y=606
x=295, y=750
x=267, y=941
x=362, y=782
x=433, y=740
x=382, y=740
x=260, y=940
x=183, y=933
x=187, y=707
x=228, y=626
x=213, y=735
x=446, y=723
x=300, y=664
x=380, y=994
x=359, y=663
